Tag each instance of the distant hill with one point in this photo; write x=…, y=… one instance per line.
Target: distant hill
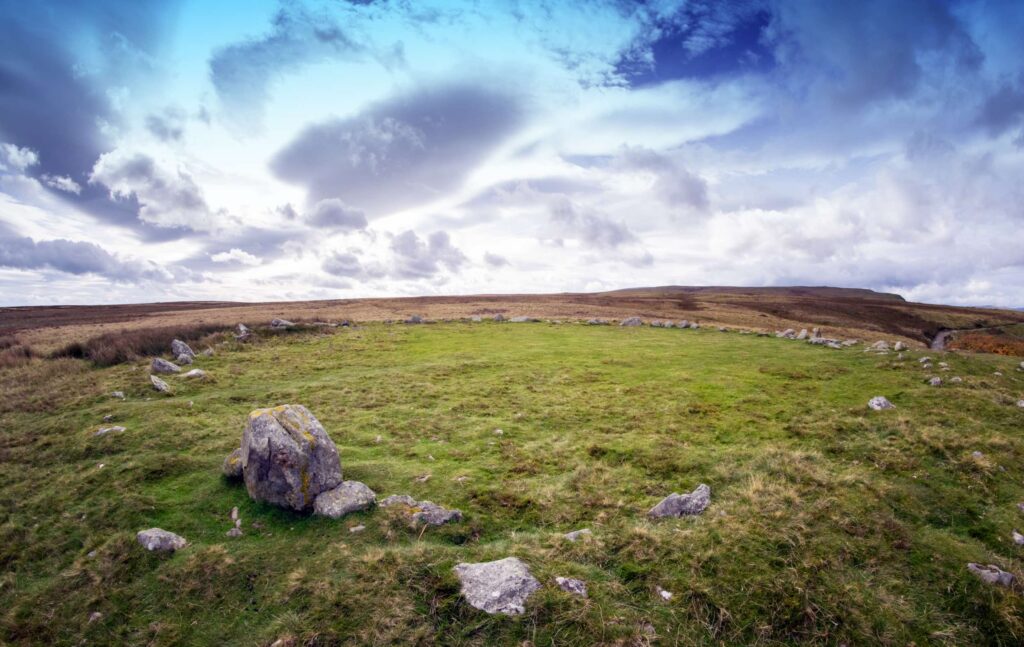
x=791, y=291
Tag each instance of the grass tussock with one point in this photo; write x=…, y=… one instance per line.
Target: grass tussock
x=109, y=349
x=829, y=523
x=13, y=352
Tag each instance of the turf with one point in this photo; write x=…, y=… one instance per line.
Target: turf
x=829, y=523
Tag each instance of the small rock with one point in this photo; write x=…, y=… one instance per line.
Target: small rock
x=683, y=324
x=498, y=432
x=880, y=402
x=179, y=348
x=977, y=454
x=997, y=373
x=632, y=322
x=244, y=333
x=577, y=534
x=925, y=360
x=160, y=365
x=425, y=512
x=1018, y=538
x=596, y=322
x=378, y=439
x=499, y=317
x=1020, y=403
x=358, y=528
x=422, y=478
x=234, y=532
x=196, y=372
x=991, y=574
x=899, y=347
x=678, y=505
x=803, y=334
x=184, y=359
x=694, y=326
x=414, y=319
x=476, y=319
x=571, y=585
x=234, y=514
x=788, y=333
x=281, y=324
x=523, y=320
x=208, y=352
x=117, y=394
x=159, y=384
x=935, y=381
x=398, y=499
x=879, y=345
x=109, y=430
x=501, y=586
x=663, y=594
x=956, y=379
x=350, y=496
x=157, y=539
x=108, y=418
x=95, y=616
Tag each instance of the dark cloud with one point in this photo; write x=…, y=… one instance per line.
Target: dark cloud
x=1004, y=109
x=335, y=214
x=402, y=152
x=591, y=228
x=494, y=260
x=674, y=185
x=242, y=73
x=344, y=264
x=72, y=257
x=415, y=258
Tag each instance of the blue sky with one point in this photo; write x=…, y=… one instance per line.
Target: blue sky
x=264, y=150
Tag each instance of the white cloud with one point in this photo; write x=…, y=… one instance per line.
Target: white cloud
x=235, y=255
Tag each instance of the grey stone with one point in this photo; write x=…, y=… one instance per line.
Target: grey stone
x=678, y=505
x=815, y=333
x=179, y=348
x=162, y=366
x=414, y=319
x=501, y=586
x=108, y=418
x=991, y=574
x=656, y=324
x=196, y=372
x=208, y=352
x=1017, y=538
x=281, y=324
x=159, y=384
x=109, y=430
x=880, y=402
x=663, y=594
x=925, y=360
x=956, y=379
x=632, y=322
x=683, y=324
x=350, y=496
x=398, y=499
x=477, y=319
x=788, y=333
x=244, y=333
x=117, y=394
x=232, y=467
x=425, y=512
x=523, y=320
x=935, y=381
x=694, y=326
x=899, y=347
x=572, y=585
x=184, y=359
x=577, y=534
x=1020, y=403
x=234, y=532
x=596, y=322
x=287, y=457
x=499, y=317
x=880, y=345
x=802, y=335
x=157, y=539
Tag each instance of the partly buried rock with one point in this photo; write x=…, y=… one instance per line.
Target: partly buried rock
x=572, y=585
x=287, y=457
x=196, y=373
x=678, y=505
x=499, y=317
x=414, y=319
x=577, y=534
x=157, y=539
x=425, y=512
x=632, y=322
x=179, y=348
x=184, y=359
x=244, y=334
x=935, y=381
x=596, y=322
x=232, y=467
x=501, y=586
x=159, y=384
x=109, y=430
x=350, y=496
x=899, y=347
x=162, y=366
x=281, y=324
x=991, y=574
x=880, y=402
x=523, y=320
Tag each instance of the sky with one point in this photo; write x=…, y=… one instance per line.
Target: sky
x=260, y=150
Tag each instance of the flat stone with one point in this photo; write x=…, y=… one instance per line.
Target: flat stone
x=159, y=540
x=162, y=366
x=117, y=394
x=350, y=496
x=425, y=512
x=501, y=586
x=678, y=505
x=398, y=499
x=632, y=322
x=571, y=585
x=991, y=574
x=109, y=430
x=195, y=373
x=577, y=534
x=281, y=324
x=159, y=384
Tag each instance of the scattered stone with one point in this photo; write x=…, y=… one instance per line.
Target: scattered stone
x=281, y=324
x=596, y=322
x=501, y=586
x=358, y=528
x=632, y=322
x=184, y=359
x=196, y=372
x=815, y=333
x=287, y=457
x=423, y=478
x=997, y=373
x=956, y=379
x=788, y=333
x=244, y=333
x=577, y=534
x=159, y=384
x=425, y=512
x=724, y=329
x=117, y=394
x=208, y=352
x=991, y=574
x=880, y=402
x=398, y=499
x=678, y=505
x=656, y=324
x=179, y=347
x=109, y=430
x=1018, y=538
x=880, y=345
x=694, y=326
x=663, y=594
x=523, y=320
x=95, y=616
x=476, y=319
x=683, y=324
x=350, y=496
x=378, y=439
x=499, y=317
x=157, y=539
x=977, y=454
x=802, y=335
x=414, y=319
x=108, y=418
x=234, y=515
x=161, y=365
x=925, y=360
x=498, y=432
x=234, y=532
x=935, y=381
x=1020, y=403
x=899, y=347
x=572, y=585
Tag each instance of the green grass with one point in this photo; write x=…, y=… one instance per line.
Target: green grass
x=829, y=523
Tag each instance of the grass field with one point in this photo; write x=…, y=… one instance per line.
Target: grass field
x=829, y=523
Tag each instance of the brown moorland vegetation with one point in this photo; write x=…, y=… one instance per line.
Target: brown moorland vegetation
x=840, y=312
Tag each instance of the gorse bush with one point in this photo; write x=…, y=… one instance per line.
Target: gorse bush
x=109, y=349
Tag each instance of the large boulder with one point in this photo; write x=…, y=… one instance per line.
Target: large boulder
x=161, y=365
x=159, y=540
x=179, y=348
x=678, y=505
x=501, y=586
x=287, y=457
x=350, y=496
